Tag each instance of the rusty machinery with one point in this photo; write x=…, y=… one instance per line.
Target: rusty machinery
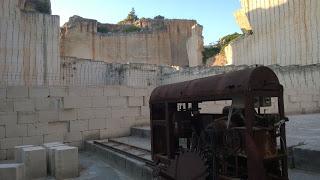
x=243, y=141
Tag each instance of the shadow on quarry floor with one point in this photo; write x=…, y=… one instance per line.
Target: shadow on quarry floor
x=93, y=168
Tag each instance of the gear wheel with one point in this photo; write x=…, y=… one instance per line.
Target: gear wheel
x=188, y=166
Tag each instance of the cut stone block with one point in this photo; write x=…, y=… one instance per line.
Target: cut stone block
x=140, y=92
x=52, y=144
x=9, y=143
x=79, y=125
x=18, y=152
x=3, y=155
x=135, y=101
x=57, y=92
x=53, y=137
x=33, y=140
x=64, y=162
x=24, y=105
x=95, y=91
x=111, y=91
x=47, y=146
x=17, y=92
x=2, y=132
x=38, y=92
x=126, y=91
x=3, y=93
x=118, y=101
x=16, y=130
x=34, y=159
x=12, y=171
x=91, y=135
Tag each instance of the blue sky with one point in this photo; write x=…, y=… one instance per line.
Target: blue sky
x=216, y=16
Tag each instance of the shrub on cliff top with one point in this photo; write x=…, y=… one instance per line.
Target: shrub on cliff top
x=215, y=49
x=102, y=29
x=41, y=6
x=131, y=28
x=159, y=17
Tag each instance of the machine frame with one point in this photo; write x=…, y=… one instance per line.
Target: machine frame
x=247, y=85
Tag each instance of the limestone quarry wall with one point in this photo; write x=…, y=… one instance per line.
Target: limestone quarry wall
x=29, y=46
x=163, y=47
x=285, y=32
x=84, y=72
x=151, y=48
x=37, y=115
x=301, y=83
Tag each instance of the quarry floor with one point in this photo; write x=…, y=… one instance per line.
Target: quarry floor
x=93, y=168
x=302, y=131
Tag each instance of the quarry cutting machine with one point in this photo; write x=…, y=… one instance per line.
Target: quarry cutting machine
x=244, y=139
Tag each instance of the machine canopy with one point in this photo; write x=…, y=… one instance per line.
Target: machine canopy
x=218, y=87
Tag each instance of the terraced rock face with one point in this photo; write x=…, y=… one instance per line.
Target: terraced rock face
x=40, y=6
x=164, y=42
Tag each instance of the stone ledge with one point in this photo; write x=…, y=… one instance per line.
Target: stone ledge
x=131, y=167
x=306, y=158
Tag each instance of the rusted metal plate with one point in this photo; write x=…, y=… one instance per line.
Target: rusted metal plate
x=223, y=86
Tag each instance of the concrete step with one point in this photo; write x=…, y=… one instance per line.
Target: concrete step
x=134, y=141
x=141, y=131
x=130, y=154
x=303, y=141
x=305, y=158
x=131, y=160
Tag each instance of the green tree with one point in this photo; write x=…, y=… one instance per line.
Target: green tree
x=131, y=18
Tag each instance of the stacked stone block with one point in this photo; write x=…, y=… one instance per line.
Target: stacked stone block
x=18, y=152
x=12, y=171
x=37, y=115
x=34, y=159
x=47, y=146
x=64, y=162
x=36, y=162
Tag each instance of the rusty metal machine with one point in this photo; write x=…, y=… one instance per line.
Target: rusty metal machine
x=245, y=140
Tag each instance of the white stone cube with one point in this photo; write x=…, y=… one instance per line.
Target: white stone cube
x=65, y=162
x=18, y=152
x=12, y=171
x=47, y=146
x=34, y=159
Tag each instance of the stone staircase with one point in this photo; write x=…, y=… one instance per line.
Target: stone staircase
x=130, y=154
x=142, y=131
